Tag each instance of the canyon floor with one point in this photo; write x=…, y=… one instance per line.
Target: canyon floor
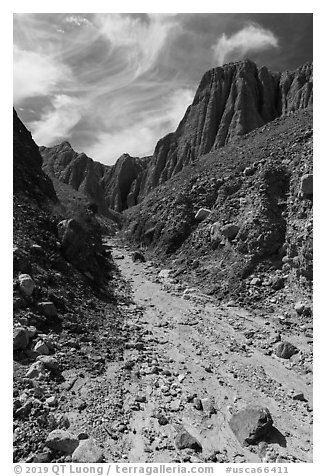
x=190, y=363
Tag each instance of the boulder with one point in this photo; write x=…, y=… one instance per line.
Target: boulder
x=81, y=245
x=251, y=424
x=209, y=406
x=26, y=284
x=230, y=231
x=277, y=283
x=307, y=184
x=47, y=308
x=50, y=362
x=285, y=350
x=198, y=403
x=87, y=452
x=41, y=348
x=185, y=440
x=249, y=170
x=62, y=441
x=138, y=256
x=215, y=234
x=299, y=308
x=36, y=370
x=21, y=338
x=303, y=309
x=202, y=214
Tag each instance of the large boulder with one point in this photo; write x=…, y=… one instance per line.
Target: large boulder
x=251, y=424
x=36, y=370
x=307, y=184
x=26, y=284
x=82, y=245
x=285, y=350
x=49, y=362
x=21, y=338
x=62, y=441
x=87, y=452
x=230, y=231
x=185, y=440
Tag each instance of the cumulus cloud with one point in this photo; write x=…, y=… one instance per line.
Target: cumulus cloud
x=56, y=124
x=252, y=38
x=36, y=74
x=139, y=138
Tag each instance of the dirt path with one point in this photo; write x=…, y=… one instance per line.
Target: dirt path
x=182, y=346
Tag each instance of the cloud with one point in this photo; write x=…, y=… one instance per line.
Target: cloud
x=139, y=138
x=56, y=124
x=76, y=20
x=36, y=74
x=140, y=41
x=252, y=38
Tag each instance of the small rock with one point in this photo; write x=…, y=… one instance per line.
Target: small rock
x=209, y=406
x=88, y=452
x=141, y=398
x=299, y=396
x=285, y=350
x=44, y=457
x=198, y=403
x=215, y=235
x=277, y=283
x=51, y=401
x=185, y=440
x=162, y=420
x=138, y=256
x=21, y=338
x=26, y=284
x=230, y=231
x=202, y=214
x=299, y=308
x=249, y=170
x=175, y=406
x=62, y=441
x=251, y=424
x=51, y=363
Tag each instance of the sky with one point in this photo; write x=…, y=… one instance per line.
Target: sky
x=114, y=83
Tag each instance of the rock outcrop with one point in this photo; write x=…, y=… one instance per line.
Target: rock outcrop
x=77, y=170
x=29, y=179
x=230, y=101
x=124, y=182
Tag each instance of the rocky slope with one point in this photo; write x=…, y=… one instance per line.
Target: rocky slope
x=230, y=101
x=77, y=170
x=29, y=179
x=239, y=222
x=62, y=289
